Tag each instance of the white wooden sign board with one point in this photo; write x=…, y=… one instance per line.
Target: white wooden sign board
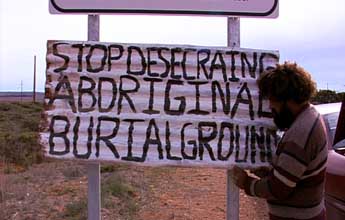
x=157, y=105
x=251, y=8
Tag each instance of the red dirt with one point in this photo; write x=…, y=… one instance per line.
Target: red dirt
x=45, y=190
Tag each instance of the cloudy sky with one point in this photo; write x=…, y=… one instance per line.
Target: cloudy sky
x=309, y=32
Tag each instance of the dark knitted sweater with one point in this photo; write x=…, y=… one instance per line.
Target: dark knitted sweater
x=294, y=188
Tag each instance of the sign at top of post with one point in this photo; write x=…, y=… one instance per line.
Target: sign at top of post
x=244, y=8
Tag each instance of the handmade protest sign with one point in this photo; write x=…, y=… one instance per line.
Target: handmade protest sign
x=157, y=104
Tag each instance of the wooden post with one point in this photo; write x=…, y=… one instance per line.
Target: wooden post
x=93, y=169
x=232, y=206
x=34, y=87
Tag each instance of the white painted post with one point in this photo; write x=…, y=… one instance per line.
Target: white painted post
x=232, y=201
x=93, y=169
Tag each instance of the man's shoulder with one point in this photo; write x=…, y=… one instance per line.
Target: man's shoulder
x=302, y=128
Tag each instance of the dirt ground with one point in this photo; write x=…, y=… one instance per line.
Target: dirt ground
x=57, y=190
x=48, y=190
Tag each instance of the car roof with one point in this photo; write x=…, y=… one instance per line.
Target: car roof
x=328, y=108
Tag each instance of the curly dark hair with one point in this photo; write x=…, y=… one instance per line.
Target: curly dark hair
x=285, y=82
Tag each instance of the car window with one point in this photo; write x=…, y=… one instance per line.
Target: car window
x=331, y=121
x=330, y=113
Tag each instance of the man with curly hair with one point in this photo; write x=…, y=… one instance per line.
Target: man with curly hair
x=294, y=183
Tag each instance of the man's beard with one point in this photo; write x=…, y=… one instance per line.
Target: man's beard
x=284, y=118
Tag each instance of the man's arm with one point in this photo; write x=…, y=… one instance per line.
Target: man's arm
x=281, y=181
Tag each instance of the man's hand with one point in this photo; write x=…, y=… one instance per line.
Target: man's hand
x=260, y=171
x=239, y=176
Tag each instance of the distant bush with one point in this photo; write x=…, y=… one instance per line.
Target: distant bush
x=76, y=210
x=327, y=96
x=73, y=172
x=115, y=185
x=19, y=133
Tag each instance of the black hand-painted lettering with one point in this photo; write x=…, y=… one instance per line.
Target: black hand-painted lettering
x=150, y=109
x=114, y=93
x=130, y=156
x=197, y=110
x=204, y=140
x=89, y=91
x=89, y=136
x=75, y=141
x=106, y=139
x=183, y=64
x=89, y=67
x=247, y=101
x=168, y=144
x=270, y=133
x=190, y=142
x=165, y=61
x=151, y=62
x=252, y=144
x=64, y=57
x=76, y=136
x=218, y=64
x=143, y=63
x=110, y=53
x=62, y=135
x=156, y=140
x=65, y=85
x=225, y=98
x=251, y=67
x=175, y=63
x=260, y=140
x=182, y=99
x=262, y=62
x=80, y=54
x=233, y=65
x=124, y=92
x=230, y=127
x=202, y=62
x=237, y=156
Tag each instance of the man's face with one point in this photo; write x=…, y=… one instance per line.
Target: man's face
x=282, y=115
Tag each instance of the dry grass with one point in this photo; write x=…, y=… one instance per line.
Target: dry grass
x=19, y=134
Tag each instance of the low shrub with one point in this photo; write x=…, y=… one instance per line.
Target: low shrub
x=19, y=133
x=76, y=210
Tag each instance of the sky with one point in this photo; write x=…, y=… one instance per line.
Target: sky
x=309, y=32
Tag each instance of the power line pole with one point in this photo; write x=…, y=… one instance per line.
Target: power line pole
x=34, y=87
x=21, y=90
